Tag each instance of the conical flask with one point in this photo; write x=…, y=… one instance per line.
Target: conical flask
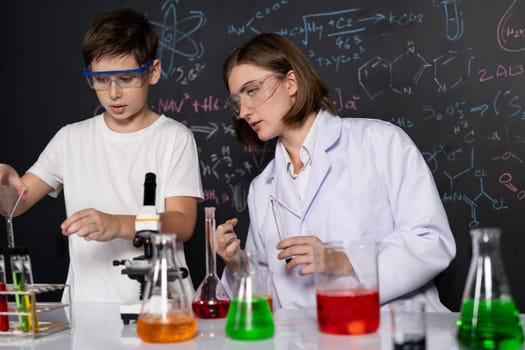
x=489, y=316
x=249, y=316
x=211, y=299
x=166, y=314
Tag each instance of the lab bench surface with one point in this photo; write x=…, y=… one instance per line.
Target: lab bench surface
x=98, y=326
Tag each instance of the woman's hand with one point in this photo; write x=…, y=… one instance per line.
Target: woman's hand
x=299, y=249
x=228, y=244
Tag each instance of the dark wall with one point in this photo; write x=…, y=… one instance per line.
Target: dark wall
x=450, y=73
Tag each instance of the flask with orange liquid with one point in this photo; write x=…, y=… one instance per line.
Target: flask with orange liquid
x=166, y=314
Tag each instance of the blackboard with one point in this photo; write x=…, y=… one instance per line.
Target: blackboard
x=450, y=73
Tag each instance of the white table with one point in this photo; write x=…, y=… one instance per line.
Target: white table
x=98, y=326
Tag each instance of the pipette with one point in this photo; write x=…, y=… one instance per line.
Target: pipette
x=277, y=219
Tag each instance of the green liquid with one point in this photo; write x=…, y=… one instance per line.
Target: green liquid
x=497, y=325
x=249, y=320
x=19, y=285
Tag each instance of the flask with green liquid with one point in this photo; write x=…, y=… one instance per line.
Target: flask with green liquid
x=489, y=317
x=249, y=316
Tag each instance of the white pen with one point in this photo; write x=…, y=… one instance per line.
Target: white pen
x=277, y=219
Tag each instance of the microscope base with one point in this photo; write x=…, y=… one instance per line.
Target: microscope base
x=130, y=312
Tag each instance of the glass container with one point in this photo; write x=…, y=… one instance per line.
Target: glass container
x=489, y=317
x=249, y=316
x=211, y=299
x=347, y=287
x=9, y=200
x=166, y=315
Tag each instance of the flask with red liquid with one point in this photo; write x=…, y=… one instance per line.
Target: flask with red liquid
x=211, y=299
x=166, y=314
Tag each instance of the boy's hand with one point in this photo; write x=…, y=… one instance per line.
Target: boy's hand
x=92, y=224
x=10, y=178
x=228, y=244
x=299, y=248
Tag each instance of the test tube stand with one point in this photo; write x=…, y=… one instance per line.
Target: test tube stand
x=52, y=316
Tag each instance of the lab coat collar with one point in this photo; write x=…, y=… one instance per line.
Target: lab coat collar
x=282, y=188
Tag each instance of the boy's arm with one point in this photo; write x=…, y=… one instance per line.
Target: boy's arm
x=35, y=190
x=179, y=217
x=94, y=225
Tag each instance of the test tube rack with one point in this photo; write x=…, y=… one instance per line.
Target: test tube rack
x=52, y=317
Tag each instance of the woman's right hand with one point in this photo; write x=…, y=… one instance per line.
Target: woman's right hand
x=228, y=244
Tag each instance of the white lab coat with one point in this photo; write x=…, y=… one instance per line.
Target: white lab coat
x=368, y=181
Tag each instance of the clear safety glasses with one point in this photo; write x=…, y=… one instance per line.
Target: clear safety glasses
x=125, y=79
x=252, y=94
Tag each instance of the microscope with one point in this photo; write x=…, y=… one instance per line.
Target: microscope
x=147, y=222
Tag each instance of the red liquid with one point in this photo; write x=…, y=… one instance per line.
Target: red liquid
x=348, y=311
x=211, y=309
x=4, y=319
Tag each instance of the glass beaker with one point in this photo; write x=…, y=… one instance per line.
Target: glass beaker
x=166, y=314
x=9, y=200
x=489, y=317
x=346, y=286
x=211, y=299
x=249, y=316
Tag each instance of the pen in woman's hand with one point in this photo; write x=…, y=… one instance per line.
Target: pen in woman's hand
x=277, y=219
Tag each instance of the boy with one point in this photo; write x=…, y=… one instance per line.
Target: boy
x=100, y=162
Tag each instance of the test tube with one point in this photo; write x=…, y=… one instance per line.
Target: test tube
x=278, y=223
x=17, y=271
x=4, y=319
x=30, y=303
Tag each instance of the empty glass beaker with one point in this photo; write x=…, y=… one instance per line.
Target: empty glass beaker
x=489, y=316
x=249, y=316
x=166, y=314
x=211, y=299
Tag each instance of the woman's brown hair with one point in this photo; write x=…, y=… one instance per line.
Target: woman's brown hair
x=278, y=54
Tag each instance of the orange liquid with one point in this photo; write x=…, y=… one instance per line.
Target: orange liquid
x=270, y=302
x=172, y=328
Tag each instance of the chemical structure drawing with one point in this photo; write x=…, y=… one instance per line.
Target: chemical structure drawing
x=506, y=178
x=474, y=201
x=413, y=64
x=403, y=73
x=452, y=69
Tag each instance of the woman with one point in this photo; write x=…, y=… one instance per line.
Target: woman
x=331, y=179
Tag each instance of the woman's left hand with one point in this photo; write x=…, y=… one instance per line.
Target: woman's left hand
x=299, y=249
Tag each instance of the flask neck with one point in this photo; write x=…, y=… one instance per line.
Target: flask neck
x=163, y=256
x=486, y=242
x=246, y=276
x=211, y=242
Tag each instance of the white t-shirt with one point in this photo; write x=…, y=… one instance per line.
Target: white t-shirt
x=101, y=169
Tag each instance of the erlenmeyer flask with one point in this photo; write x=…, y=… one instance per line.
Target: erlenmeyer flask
x=489, y=317
x=211, y=299
x=166, y=314
x=249, y=316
